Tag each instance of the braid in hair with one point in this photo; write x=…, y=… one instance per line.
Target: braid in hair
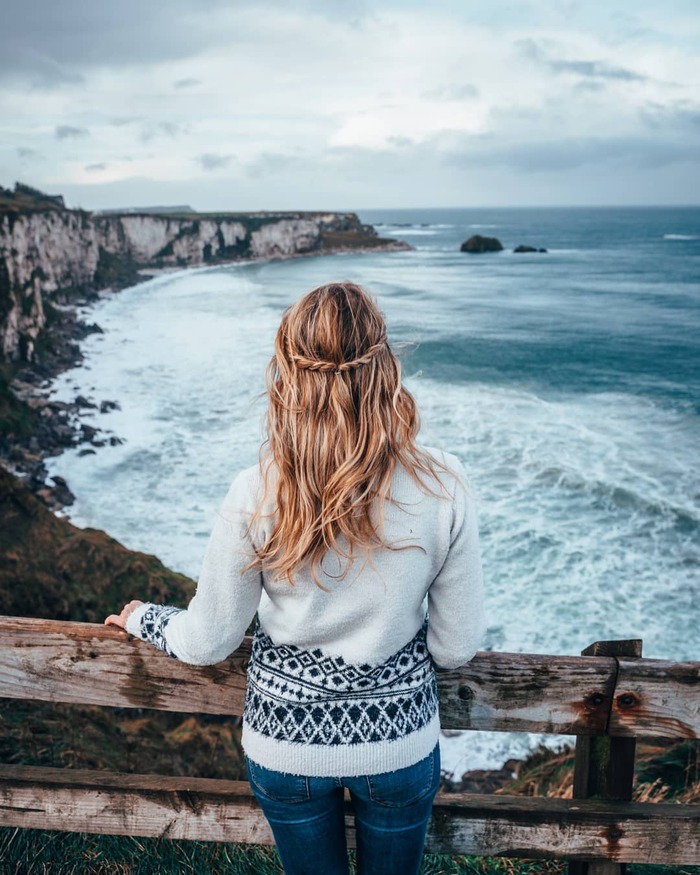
x=307, y=364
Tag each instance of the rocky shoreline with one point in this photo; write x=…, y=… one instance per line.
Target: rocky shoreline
x=55, y=425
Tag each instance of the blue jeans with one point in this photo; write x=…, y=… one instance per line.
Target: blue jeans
x=392, y=811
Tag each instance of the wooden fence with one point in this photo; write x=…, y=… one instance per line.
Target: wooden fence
x=607, y=697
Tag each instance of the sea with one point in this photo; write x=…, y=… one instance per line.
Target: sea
x=568, y=382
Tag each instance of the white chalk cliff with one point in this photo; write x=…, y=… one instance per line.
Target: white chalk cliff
x=46, y=254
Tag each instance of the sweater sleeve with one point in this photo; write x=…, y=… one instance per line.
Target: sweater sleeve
x=456, y=617
x=227, y=597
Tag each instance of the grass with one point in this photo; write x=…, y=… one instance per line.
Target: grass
x=35, y=852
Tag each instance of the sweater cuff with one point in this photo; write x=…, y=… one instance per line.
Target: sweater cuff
x=151, y=624
x=133, y=621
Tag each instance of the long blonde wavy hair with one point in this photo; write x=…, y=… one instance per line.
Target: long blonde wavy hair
x=338, y=423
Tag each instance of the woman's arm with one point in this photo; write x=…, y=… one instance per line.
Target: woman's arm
x=227, y=597
x=456, y=618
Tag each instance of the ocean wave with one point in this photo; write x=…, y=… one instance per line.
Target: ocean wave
x=413, y=232
x=614, y=496
x=681, y=237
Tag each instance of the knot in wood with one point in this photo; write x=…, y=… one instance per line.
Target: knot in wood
x=593, y=701
x=625, y=701
x=465, y=693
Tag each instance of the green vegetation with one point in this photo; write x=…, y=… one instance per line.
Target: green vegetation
x=115, y=270
x=50, y=568
x=665, y=771
x=34, y=852
x=16, y=417
x=24, y=198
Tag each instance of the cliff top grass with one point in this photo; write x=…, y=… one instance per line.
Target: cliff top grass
x=25, y=199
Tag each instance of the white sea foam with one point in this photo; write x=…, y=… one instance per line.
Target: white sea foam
x=412, y=232
x=582, y=516
x=681, y=237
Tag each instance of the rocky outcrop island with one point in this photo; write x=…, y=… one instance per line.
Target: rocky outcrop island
x=478, y=244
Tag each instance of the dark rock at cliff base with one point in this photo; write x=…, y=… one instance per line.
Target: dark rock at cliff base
x=483, y=780
x=478, y=244
x=106, y=406
x=61, y=491
x=524, y=248
x=50, y=568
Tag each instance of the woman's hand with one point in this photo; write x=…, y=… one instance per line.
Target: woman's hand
x=120, y=619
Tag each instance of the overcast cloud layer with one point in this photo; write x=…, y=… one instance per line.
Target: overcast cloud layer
x=260, y=105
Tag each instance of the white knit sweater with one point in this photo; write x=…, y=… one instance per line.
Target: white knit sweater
x=341, y=682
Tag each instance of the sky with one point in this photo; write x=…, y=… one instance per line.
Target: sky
x=345, y=104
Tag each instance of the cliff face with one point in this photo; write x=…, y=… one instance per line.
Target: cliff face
x=46, y=253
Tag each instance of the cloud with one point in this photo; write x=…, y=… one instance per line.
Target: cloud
x=189, y=82
x=550, y=156
x=212, y=161
x=596, y=70
x=68, y=132
x=269, y=163
x=681, y=116
x=466, y=91
x=400, y=142
x=196, y=92
x=63, y=39
x=93, y=168
x=161, y=129
x=540, y=53
x=25, y=152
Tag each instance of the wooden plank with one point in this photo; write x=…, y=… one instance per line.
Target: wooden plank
x=89, y=663
x=567, y=829
x=94, y=664
x=212, y=810
x=656, y=698
x=604, y=766
x=522, y=692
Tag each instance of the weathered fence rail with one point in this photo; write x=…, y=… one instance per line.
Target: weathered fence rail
x=606, y=698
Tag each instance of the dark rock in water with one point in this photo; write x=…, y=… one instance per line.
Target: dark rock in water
x=524, y=248
x=478, y=244
x=115, y=441
x=88, y=432
x=106, y=406
x=87, y=453
x=81, y=401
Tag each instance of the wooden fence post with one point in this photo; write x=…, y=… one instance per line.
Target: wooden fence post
x=604, y=765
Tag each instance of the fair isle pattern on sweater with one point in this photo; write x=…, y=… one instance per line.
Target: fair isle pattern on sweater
x=306, y=696
x=153, y=624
